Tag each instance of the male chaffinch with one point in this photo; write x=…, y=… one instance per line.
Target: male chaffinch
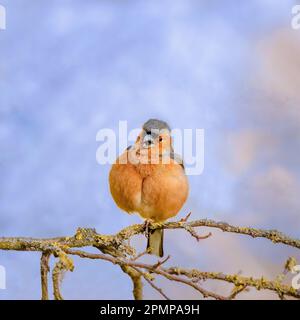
x=149, y=179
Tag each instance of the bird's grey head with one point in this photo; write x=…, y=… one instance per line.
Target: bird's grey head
x=154, y=124
x=151, y=129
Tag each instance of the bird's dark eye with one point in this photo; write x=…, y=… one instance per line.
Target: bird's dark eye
x=160, y=139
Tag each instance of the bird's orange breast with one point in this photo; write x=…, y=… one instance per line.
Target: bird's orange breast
x=155, y=191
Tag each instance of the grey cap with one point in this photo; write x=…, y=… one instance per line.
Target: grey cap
x=155, y=125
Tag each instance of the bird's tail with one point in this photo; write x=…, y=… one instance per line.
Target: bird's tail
x=155, y=242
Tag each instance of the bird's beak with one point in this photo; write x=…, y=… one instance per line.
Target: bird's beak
x=148, y=141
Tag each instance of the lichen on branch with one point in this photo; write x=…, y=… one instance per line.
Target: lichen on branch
x=117, y=250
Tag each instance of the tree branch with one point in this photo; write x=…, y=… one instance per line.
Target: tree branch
x=116, y=249
x=136, y=281
x=44, y=274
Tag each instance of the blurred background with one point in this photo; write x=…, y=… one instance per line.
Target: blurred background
x=70, y=68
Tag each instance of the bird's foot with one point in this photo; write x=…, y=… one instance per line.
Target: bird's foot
x=147, y=224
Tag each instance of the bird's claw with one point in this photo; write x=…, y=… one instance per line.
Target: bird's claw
x=146, y=225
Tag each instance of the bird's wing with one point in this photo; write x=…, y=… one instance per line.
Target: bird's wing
x=176, y=157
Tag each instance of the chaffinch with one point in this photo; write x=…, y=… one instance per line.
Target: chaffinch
x=149, y=179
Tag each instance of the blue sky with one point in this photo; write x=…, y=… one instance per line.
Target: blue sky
x=70, y=68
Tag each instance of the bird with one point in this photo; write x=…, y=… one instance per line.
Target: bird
x=149, y=179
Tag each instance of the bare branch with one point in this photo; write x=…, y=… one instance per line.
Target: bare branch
x=44, y=274
x=262, y=283
x=63, y=264
x=147, y=278
x=139, y=255
x=161, y=262
x=152, y=268
x=136, y=281
x=273, y=235
x=89, y=237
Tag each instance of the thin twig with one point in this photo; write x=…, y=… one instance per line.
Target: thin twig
x=237, y=290
x=194, y=234
x=152, y=284
x=139, y=255
x=186, y=218
x=161, y=262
